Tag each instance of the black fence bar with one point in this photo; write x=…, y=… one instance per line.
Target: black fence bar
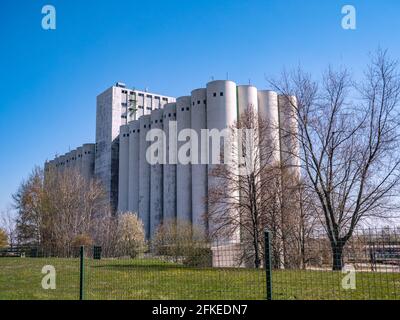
x=268, y=266
x=81, y=272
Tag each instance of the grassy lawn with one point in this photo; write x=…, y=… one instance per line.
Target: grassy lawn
x=20, y=278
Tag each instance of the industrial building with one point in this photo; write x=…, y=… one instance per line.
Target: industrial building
x=174, y=190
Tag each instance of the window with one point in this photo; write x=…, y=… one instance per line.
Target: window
x=183, y=109
x=204, y=101
x=175, y=114
x=198, y=101
x=221, y=94
x=156, y=121
x=214, y=94
x=187, y=108
x=193, y=102
x=169, y=115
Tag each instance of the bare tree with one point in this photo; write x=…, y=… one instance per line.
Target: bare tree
x=349, y=138
x=251, y=186
x=69, y=206
x=57, y=210
x=8, y=223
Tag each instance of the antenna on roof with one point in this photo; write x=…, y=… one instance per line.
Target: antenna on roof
x=212, y=78
x=227, y=76
x=249, y=81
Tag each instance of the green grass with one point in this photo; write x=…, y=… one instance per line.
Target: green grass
x=20, y=278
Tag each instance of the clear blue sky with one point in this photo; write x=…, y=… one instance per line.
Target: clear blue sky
x=49, y=79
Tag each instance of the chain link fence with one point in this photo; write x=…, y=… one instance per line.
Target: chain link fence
x=370, y=269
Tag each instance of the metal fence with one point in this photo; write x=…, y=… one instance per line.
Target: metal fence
x=229, y=270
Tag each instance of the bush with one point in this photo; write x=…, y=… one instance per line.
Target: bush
x=182, y=242
x=3, y=239
x=198, y=257
x=130, y=233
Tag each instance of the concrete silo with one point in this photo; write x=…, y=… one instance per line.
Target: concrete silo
x=289, y=145
x=79, y=159
x=67, y=160
x=183, y=168
x=88, y=150
x=61, y=164
x=248, y=102
x=133, y=185
x=221, y=115
x=156, y=170
x=73, y=160
x=199, y=159
x=247, y=97
x=269, y=114
x=169, y=170
x=144, y=175
x=123, y=173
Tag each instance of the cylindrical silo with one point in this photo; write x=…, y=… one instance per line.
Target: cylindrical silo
x=248, y=116
x=269, y=116
x=221, y=115
x=290, y=165
x=79, y=160
x=73, y=161
x=183, y=168
x=134, y=146
x=68, y=160
x=247, y=98
x=144, y=175
x=123, y=174
x=288, y=135
x=61, y=164
x=88, y=150
x=199, y=159
x=169, y=170
x=156, y=171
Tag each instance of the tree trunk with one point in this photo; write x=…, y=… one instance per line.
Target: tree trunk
x=337, y=256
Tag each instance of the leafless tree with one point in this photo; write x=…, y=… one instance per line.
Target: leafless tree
x=57, y=210
x=349, y=138
x=247, y=198
x=8, y=223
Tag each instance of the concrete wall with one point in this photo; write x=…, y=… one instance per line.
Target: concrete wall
x=183, y=170
x=169, y=170
x=199, y=167
x=156, y=172
x=123, y=179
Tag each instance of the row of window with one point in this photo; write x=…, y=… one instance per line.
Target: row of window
x=221, y=94
x=198, y=102
x=142, y=95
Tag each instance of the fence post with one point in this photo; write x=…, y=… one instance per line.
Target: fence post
x=81, y=272
x=268, y=264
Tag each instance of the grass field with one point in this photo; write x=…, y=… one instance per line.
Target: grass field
x=20, y=278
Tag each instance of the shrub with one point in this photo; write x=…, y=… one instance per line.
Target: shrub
x=130, y=232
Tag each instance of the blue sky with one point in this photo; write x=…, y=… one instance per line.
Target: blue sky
x=49, y=79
